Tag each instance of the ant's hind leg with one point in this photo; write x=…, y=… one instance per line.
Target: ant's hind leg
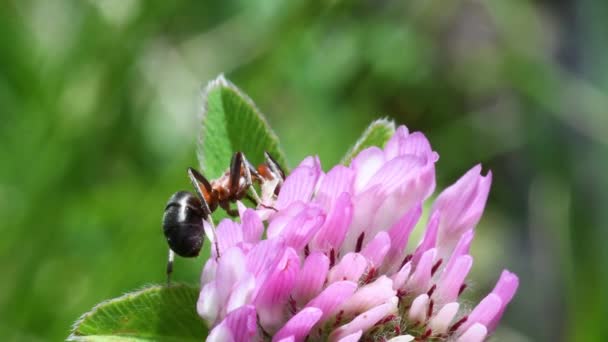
x=170, y=266
x=229, y=211
x=212, y=234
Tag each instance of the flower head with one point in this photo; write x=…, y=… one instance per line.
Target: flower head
x=327, y=258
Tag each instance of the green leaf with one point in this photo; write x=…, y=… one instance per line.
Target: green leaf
x=231, y=123
x=155, y=313
x=376, y=134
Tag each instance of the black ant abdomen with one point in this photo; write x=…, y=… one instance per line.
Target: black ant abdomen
x=183, y=224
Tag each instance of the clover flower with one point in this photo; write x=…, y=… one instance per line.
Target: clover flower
x=327, y=258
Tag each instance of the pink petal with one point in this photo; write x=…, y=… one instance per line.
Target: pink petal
x=391, y=209
x=505, y=289
x=430, y=238
x=376, y=249
x=399, y=234
x=402, y=183
x=456, y=198
x=392, y=147
x=299, y=325
x=354, y=337
x=486, y=311
x=338, y=180
x=365, y=321
x=421, y=278
x=281, y=219
x=242, y=323
x=287, y=339
x=396, y=173
x=299, y=186
x=416, y=144
x=444, y=317
x=242, y=293
x=263, y=255
x=475, y=333
x=425, y=181
x=476, y=208
x=311, y=277
x=401, y=277
x=220, y=333
x=402, y=338
x=419, y=308
x=252, y=226
x=366, y=164
x=332, y=233
x=452, y=279
x=378, y=292
x=313, y=162
x=365, y=206
x=273, y=295
x=300, y=230
x=461, y=206
x=230, y=269
x=351, y=267
x=208, y=273
x=506, y=286
x=332, y=297
x=208, y=304
x=229, y=234
x=462, y=248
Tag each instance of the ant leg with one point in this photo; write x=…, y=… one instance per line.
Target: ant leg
x=253, y=200
x=248, y=180
x=212, y=235
x=276, y=171
x=274, y=166
x=170, y=266
x=253, y=172
x=260, y=204
x=269, y=207
x=236, y=165
x=203, y=189
x=230, y=211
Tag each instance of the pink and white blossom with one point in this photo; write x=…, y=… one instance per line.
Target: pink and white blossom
x=333, y=263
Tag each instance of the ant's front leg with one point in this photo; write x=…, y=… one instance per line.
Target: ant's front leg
x=248, y=170
x=236, y=166
x=240, y=166
x=230, y=211
x=275, y=167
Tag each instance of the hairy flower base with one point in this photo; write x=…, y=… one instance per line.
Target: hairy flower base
x=333, y=264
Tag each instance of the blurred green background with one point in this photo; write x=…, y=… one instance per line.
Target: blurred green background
x=99, y=106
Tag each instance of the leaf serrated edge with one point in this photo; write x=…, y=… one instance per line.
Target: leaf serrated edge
x=145, y=288
x=222, y=82
x=386, y=122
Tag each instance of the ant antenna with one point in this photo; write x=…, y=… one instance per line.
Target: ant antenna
x=248, y=180
x=254, y=193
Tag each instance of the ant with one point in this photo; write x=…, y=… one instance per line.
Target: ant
x=185, y=212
